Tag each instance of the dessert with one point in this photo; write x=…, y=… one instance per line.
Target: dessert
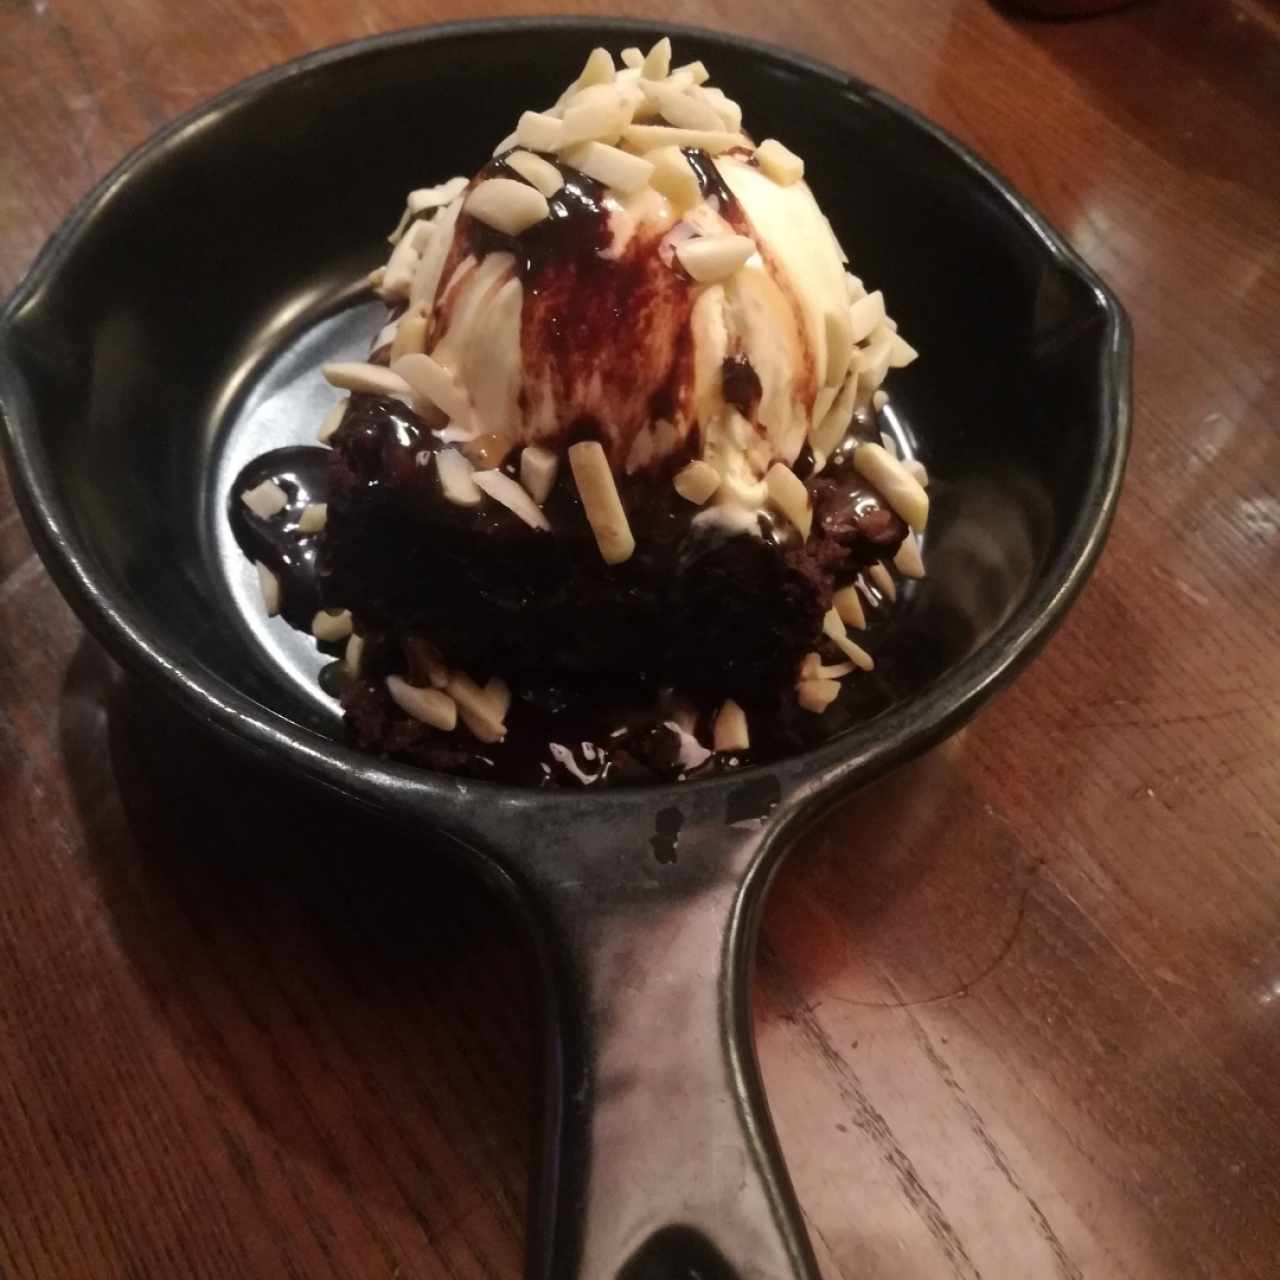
x=608, y=497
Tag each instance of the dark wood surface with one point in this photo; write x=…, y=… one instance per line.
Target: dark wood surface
x=1018, y=1006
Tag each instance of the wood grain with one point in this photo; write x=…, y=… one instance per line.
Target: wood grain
x=1018, y=1006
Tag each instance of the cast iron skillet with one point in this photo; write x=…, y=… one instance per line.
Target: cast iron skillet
x=172, y=328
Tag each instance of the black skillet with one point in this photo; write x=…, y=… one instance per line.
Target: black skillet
x=171, y=329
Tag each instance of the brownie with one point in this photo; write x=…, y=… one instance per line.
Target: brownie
x=700, y=609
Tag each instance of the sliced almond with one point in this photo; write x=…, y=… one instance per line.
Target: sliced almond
x=398, y=278
x=598, y=70
x=539, y=131
x=411, y=336
x=833, y=629
x=269, y=585
x=837, y=671
x=457, y=479
x=883, y=581
x=822, y=402
x=697, y=481
x=900, y=489
x=353, y=655
x=542, y=173
x=429, y=706
x=618, y=169
x=429, y=381
x=314, y=517
x=788, y=494
x=817, y=695
x=419, y=235
x=599, y=113
x=632, y=57
x=599, y=493
x=908, y=561
x=848, y=605
x=423, y=199
x=901, y=353
x=371, y=379
x=696, y=72
x=866, y=316
x=833, y=625
x=498, y=692
x=729, y=733
x=476, y=708
x=657, y=62
x=265, y=500
x=856, y=654
x=839, y=345
x=712, y=258
x=646, y=137
x=680, y=109
x=729, y=112
x=538, y=470
x=332, y=421
x=674, y=177
x=826, y=439
x=873, y=360
x=331, y=627
x=507, y=205
x=502, y=488
x=436, y=197
x=779, y=162
x=426, y=280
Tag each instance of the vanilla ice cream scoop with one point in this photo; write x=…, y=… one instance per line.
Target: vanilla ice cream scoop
x=632, y=269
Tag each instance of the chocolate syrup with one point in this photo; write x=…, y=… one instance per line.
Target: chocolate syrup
x=303, y=473
x=575, y=230
x=714, y=188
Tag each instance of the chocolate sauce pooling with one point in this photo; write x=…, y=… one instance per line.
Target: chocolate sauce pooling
x=303, y=473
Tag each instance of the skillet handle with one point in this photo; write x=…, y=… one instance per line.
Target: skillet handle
x=659, y=1160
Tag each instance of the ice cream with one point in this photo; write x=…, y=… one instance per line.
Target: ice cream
x=610, y=476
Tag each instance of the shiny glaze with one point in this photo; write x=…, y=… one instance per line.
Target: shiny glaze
x=303, y=473
x=571, y=728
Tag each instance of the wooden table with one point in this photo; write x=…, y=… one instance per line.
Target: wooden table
x=1018, y=1006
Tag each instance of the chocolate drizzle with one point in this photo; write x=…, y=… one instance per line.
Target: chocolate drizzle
x=714, y=188
x=575, y=230
x=303, y=473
